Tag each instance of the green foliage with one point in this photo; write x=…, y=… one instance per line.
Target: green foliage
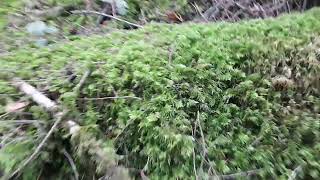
x=6, y=7
x=211, y=104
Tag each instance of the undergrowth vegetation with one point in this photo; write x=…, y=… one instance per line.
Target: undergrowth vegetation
x=174, y=101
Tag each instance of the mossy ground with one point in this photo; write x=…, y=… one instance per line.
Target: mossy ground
x=205, y=100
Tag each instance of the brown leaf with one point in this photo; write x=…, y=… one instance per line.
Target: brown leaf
x=16, y=106
x=173, y=16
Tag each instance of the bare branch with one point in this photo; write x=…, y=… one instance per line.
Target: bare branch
x=83, y=79
x=114, y=97
x=202, y=137
x=44, y=101
x=106, y=15
x=204, y=147
x=37, y=96
x=59, y=117
x=196, y=7
x=194, y=130
x=21, y=121
x=240, y=174
x=171, y=53
x=72, y=164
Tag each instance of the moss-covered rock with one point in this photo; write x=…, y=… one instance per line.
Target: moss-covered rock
x=180, y=101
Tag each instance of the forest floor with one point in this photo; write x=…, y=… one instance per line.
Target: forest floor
x=185, y=91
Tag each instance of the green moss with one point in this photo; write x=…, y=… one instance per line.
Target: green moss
x=7, y=7
x=217, y=76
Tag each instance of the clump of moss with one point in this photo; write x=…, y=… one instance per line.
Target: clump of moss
x=179, y=101
x=5, y=8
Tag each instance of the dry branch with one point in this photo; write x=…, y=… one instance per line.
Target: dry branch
x=72, y=164
x=36, y=95
x=114, y=97
x=106, y=15
x=59, y=117
x=83, y=79
x=196, y=7
x=50, y=106
x=246, y=174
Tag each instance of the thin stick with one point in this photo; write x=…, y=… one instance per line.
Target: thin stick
x=240, y=174
x=4, y=115
x=194, y=130
x=196, y=7
x=171, y=52
x=202, y=138
x=6, y=137
x=59, y=117
x=106, y=15
x=21, y=121
x=83, y=79
x=37, y=96
x=204, y=148
x=44, y=101
x=72, y=164
x=114, y=97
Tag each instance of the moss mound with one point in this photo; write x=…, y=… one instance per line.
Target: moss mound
x=175, y=101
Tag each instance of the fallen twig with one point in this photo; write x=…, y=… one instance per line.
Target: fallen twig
x=106, y=15
x=44, y=101
x=83, y=79
x=171, y=53
x=7, y=136
x=36, y=96
x=22, y=121
x=204, y=147
x=4, y=115
x=240, y=174
x=59, y=117
x=194, y=130
x=196, y=7
x=72, y=164
x=114, y=97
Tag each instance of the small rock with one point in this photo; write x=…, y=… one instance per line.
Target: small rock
x=37, y=28
x=41, y=42
x=51, y=30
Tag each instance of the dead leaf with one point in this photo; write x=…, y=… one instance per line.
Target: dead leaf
x=16, y=106
x=173, y=16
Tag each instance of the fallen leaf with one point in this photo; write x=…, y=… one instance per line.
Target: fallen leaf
x=16, y=106
x=173, y=16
